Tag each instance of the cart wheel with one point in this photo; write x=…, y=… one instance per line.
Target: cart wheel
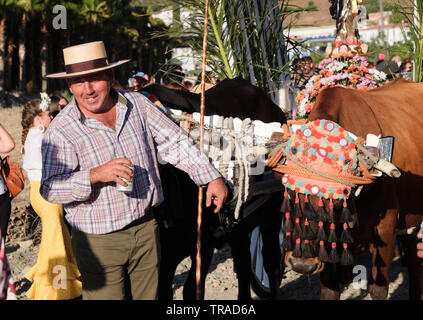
x=259, y=278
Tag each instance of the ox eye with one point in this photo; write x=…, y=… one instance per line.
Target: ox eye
x=347, y=162
x=294, y=150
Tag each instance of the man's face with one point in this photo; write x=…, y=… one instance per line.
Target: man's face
x=92, y=91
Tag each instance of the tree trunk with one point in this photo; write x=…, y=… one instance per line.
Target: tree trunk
x=22, y=52
x=2, y=55
x=43, y=56
x=9, y=56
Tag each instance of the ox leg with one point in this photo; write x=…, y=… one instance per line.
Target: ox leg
x=271, y=252
x=240, y=249
x=173, y=251
x=329, y=284
x=409, y=243
x=382, y=251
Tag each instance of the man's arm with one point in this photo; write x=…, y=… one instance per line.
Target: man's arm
x=6, y=141
x=61, y=181
x=174, y=146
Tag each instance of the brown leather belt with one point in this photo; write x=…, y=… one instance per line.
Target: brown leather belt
x=146, y=217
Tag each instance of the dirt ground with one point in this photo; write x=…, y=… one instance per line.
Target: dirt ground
x=221, y=283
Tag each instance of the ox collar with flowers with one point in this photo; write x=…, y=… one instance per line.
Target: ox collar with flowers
x=321, y=161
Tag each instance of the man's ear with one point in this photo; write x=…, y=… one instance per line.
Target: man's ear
x=69, y=85
x=111, y=76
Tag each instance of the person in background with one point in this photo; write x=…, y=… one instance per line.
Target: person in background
x=302, y=70
x=7, y=144
x=59, y=102
x=172, y=73
x=380, y=59
x=188, y=85
x=420, y=244
x=55, y=258
x=211, y=81
x=398, y=60
x=407, y=66
x=7, y=286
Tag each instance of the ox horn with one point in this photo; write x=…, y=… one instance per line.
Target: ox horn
x=372, y=161
x=388, y=168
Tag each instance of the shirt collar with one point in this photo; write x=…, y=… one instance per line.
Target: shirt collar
x=121, y=108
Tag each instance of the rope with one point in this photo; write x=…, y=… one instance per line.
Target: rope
x=184, y=118
x=309, y=172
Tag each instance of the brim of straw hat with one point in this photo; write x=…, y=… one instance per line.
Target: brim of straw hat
x=65, y=75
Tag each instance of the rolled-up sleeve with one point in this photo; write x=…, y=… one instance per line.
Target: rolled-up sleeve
x=177, y=148
x=62, y=181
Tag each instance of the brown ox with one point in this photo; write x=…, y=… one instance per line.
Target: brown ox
x=388, y=204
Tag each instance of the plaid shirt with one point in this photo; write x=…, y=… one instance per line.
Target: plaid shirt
x=73, y=144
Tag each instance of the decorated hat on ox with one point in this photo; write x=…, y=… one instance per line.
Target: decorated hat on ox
x=329, y=154
x=322, y=162
x=85, y=59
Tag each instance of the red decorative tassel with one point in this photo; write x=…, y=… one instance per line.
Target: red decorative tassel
x=297, y=210
x=346, y=236
x=354, y=220
x=331, y=212
x=297, y=229
x=297, y=251
x=346, y=258
x=287, y=242
x=286, y=203
x=321, y=213
x=332, y=234
x=309, y=212
x=321, y=235
x=333, y=256
x=323, y=255
x=308, y=251
x=307, y=232
x=313, y=225
x=287, y=227
x=346, y=215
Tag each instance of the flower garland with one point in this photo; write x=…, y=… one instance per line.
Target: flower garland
x=346, y=72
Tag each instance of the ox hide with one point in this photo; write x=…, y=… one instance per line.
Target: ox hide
x=395, y=109
x=230, y=98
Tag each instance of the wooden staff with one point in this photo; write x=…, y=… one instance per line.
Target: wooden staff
x=200, y=190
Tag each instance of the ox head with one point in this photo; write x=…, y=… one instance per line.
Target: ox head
x=320, y=172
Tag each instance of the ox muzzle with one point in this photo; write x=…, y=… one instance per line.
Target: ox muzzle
x=306, y=266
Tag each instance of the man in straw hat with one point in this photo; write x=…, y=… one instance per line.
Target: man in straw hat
x=90, y=147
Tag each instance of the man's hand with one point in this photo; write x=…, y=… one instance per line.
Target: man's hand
x=112, y=171
x=419, y=245
x=216, y=193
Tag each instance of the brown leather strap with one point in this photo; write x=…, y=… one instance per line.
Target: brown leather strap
x=86, y=65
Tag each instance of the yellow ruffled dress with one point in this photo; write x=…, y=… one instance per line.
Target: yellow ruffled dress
x=55, y=276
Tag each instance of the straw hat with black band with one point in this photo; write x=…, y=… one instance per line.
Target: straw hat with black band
x=85, y=59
